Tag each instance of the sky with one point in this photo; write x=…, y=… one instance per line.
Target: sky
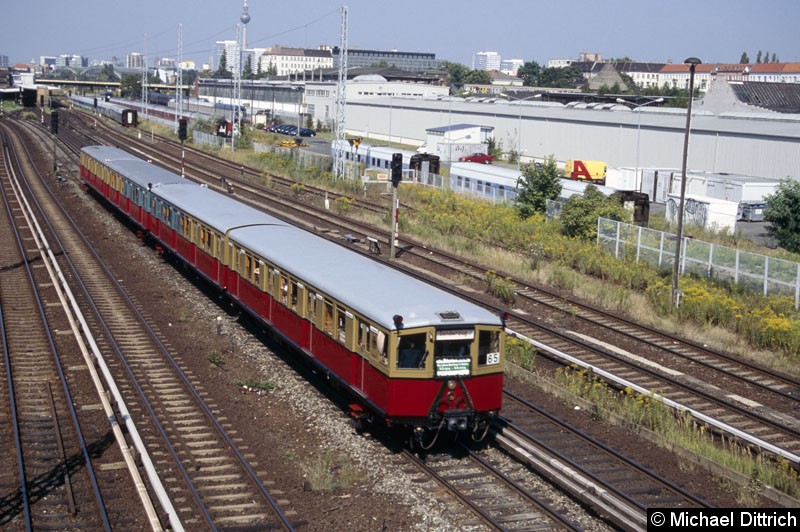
x=716, y=31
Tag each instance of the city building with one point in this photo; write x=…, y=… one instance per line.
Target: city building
x=47, y=61
x=411, y=61
x=65, y=60
x=230, y=49
x=511, y=66
x=3, y=60
x=677, y=76
x=775, y=72
x=486, y=61
x=285, y=61
x=134, y=60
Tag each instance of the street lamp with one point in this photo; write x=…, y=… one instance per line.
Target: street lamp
x=692, y=62
x=638, y=124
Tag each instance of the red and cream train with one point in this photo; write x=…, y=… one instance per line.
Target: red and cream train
x=411, y=355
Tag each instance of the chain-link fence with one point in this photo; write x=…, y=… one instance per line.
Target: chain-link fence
x=761, y=273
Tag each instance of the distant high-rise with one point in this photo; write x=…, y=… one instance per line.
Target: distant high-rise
x=486, y=61
x=134, y=60
x=3, y=60
x=510, y=66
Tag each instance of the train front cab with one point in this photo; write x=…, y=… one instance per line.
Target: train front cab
x=454, y=375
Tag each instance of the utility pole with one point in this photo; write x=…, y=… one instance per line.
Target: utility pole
x=676, y=266
x=179, y=80
x=339, y=136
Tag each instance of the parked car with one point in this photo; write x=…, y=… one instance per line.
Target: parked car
x=306, y=132
x=477, y=158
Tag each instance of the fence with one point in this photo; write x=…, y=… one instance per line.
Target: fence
x=207, y=139
x=767, y=275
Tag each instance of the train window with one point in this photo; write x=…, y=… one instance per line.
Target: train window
x=363, y=337
x=453, y=343
x=488, y=348
x=294, y=290
x=327, y=317
x=283, y=290
x=411, y=351
x=311, y=307
x=378, y=345
x=341, y=329
x=247, y=263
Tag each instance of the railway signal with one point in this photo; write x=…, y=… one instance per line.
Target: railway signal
x=397, y=169
x=182, y=134
x=397, y=176
x=182, y=129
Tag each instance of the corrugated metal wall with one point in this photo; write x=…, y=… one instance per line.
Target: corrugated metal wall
x=755, y=147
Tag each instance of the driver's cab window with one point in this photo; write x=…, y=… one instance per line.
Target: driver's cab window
x=411, y=351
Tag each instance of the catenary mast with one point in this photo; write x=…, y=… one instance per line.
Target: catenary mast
x=341, y=97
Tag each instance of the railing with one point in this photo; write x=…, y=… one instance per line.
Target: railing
x=761, y=273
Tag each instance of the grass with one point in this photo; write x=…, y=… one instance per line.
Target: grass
x=216, y=359
x=257, y=384
x=330, y=471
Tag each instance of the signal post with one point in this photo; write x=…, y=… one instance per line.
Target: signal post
x=182, y=134
x=397, y=176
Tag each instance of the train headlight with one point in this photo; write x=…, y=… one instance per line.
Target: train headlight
x=451, y=385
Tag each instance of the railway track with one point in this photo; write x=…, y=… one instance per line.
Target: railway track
x=605, y=479
x=66, y=460
x=200, y=463
x=495, y=498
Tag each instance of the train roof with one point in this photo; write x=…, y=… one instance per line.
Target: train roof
x=366, y=286
x=219, y=211
x=89, y=101
x=486, y=172
x=140, y=172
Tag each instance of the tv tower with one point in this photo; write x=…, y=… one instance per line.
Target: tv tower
x=244, y=18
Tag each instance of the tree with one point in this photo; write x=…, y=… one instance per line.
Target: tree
x=456, y=71
x=247, y=73
x=478, y=77
x=758, y=57
x=579, y=213
x=222, y=70
x=565, y=78
x=744, y=60
x=774, y=58
x=131, y=86
x=783, y=215
x=537, y=185
x=529, y=73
